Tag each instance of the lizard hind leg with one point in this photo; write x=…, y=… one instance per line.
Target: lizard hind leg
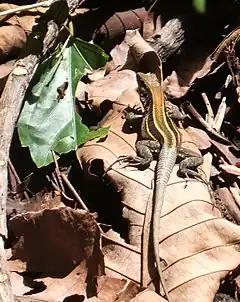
x=189, y=163
x=190, y=160
x=145, y=150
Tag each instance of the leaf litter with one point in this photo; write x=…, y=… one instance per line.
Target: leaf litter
x=62, y=251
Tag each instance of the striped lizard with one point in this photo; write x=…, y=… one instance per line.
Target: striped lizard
x=158, y=129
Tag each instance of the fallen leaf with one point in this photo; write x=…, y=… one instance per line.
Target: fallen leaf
x=6, y=68
x=75, y=228
x=25, y=19
x=64, y=261
x=110, y=87
x=148, y=295
x=12, y=40
x=227, y=204
x=199, y=137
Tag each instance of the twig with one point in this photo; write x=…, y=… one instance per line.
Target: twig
x=222, y=108
x=82, y=204
x=189, y=107
x=210, y=115
x=207, y=158
x=235, y=193
x=18, y=180
x=58, y=172
x=26, y=7
x=233, y=36
x=123, y=244
x=220, y=114
x=55, y=186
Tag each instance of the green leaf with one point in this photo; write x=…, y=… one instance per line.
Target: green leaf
x=48, y=121
x=200, y=6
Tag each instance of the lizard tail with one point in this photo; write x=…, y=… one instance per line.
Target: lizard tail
x=164, y=167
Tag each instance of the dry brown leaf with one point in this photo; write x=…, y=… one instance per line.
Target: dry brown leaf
x=119, y=53
x=191, y=67
x=203, y=141
x=228, y=205
x=199, y=137
x=175, y=86
x=24, y=19
x=6, y=68
x=26, y=299
x=110, y=87
x=12, y=40
x=56, y=229
x=121, y=261
x=94, y=75
x=73, y=285
x=66, y=253
x=135, y=53
x=148, y=295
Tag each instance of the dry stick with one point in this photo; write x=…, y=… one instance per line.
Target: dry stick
x=39, y=42
x=222, y=108
x=18, y=180
x=26, y=7
x=189, y=107
x=56, y=187
x=57, y=171
x=207, y=158
x=82, y=204
x=220, y=114
x=233, y=36
x=210, y=115
x=235, y=193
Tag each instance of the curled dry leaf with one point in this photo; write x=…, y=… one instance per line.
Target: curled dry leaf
x=134, y=53
x=175, y=86
x=191, y=68
x=119, y=54
x=195, y=65
x=6, y=68
x=203, y=142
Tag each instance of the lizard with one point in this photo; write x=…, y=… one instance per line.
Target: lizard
x=158, y=131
